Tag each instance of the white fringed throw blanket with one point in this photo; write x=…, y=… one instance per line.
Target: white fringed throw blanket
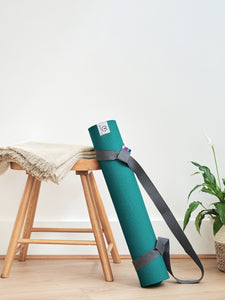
x=44, y=161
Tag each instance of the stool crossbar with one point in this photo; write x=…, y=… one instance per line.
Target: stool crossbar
x=100, y=227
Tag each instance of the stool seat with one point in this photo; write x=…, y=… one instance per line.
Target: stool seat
x=98, y=218
x=80, y=165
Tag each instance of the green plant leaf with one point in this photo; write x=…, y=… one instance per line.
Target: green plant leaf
x=199, y=218
x=223, y=181
x=221, y=211
x=196, y=173
x=217, y=225
x=208, y=177
x=195, y=164
x=197, y=186
x=208, y=190
x=212, y=212
x=192, y=207
x=221, y=196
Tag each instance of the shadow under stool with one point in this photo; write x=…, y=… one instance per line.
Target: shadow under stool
x=100, y=226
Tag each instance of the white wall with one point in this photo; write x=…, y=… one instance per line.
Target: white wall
x=157, y=67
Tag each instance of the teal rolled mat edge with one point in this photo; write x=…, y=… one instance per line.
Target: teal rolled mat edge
x=128, y=203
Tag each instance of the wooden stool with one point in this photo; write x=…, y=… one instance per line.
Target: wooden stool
x=98, y=218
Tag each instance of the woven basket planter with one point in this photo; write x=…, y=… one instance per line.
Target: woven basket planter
x=219, y=239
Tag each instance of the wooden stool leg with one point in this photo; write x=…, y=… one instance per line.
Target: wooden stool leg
x=104, y=219
x=96, y=227
x=30, y=218
x=17, y=227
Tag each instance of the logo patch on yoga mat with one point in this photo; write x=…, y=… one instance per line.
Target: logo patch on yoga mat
x=103, y=128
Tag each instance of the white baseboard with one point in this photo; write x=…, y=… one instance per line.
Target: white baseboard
x=203, y=244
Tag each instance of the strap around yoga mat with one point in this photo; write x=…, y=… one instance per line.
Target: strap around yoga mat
x=162, y=244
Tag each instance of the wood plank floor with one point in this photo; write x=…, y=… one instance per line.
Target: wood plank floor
x=83, y=280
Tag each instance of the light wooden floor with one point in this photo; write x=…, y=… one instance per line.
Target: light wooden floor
x=83, y=280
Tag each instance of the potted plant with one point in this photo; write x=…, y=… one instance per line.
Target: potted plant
x=215, y=209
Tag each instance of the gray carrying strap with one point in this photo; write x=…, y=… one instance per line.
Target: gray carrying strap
x=163, y=208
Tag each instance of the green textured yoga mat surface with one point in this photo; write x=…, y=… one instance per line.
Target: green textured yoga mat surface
x=129, y=205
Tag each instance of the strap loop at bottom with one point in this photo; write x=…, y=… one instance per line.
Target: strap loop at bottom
x=161, y=246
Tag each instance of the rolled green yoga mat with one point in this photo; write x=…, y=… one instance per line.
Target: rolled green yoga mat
x=129, y=204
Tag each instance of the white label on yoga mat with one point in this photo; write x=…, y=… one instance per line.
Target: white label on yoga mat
x=103, y=128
